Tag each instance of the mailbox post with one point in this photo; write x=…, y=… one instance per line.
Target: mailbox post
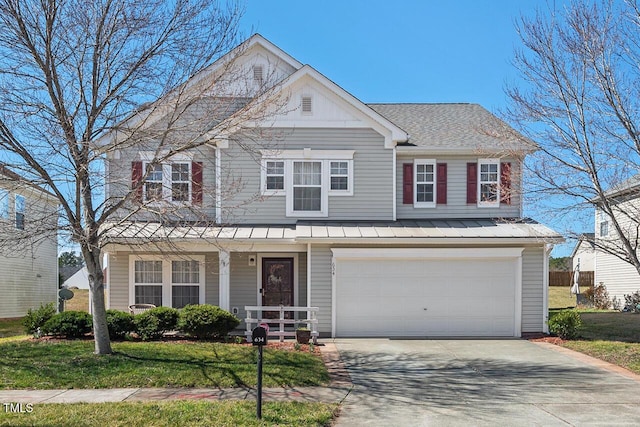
x=259, y=339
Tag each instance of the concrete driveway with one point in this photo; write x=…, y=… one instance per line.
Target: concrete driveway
x=479, y=382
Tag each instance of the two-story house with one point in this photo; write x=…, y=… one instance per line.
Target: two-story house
x=619, y=277
x=393, y=219
x=28, y=245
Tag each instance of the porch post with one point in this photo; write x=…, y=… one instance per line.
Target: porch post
x=224, y=291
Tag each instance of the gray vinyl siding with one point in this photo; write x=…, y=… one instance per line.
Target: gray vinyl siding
x=119, y=185
x=243, y=284
x=212, y=277
x=118, y=279
x=457, y=206
x=321, y=257
x=302, y=279
x=372, y=168
x=533, y=289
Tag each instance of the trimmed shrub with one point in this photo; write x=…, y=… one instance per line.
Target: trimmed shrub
x=565, y=324
x=632, y=302
x=70, y=324
x=206, y=321
x=35, y=319
x=152, y=324
x=119, y=324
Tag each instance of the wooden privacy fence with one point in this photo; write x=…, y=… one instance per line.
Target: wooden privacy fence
x=565, y=278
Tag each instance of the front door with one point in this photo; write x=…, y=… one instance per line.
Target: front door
x=277, y=283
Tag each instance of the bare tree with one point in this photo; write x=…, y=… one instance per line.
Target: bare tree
x=85, y=83
x=580, y=101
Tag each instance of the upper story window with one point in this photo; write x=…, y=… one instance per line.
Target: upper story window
x=274, y=177
x=306, y=178
x=4, y=204
x=307, y=186
x=19, y=211
x=604, y=224
x=168, y=182
x=178, y=181
x=425, y=183
x=489, y=183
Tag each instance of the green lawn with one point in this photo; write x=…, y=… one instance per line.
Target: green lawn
x=72, y=364
x=560, y=297
x=173, y=413
x=11, y=327
x=611, y=336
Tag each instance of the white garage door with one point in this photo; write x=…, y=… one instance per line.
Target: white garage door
x=425, y=297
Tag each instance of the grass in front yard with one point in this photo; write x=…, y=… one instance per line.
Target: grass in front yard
x=79, y=302
x=611, y=336
x=11, y=327
x=173, y=413
x=619, y=353
x=72, y=364
x=560, y=297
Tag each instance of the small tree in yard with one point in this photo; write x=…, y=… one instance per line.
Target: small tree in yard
x=580, y=101
x=71, y=74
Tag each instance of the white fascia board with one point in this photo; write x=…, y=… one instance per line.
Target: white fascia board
x=426, y=253
x=256, y=245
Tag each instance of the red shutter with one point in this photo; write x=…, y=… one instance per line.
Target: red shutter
x=441, y=183
x=505, y=183
x=136, y=177
x=472, y=182
x=196, y=183
x=407, y=183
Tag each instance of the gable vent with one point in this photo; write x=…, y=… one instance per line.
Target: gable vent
x=306, y=104
x=257, y=73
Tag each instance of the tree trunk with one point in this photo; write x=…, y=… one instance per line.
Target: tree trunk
x=96, y=286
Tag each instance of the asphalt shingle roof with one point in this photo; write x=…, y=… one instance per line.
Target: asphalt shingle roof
x=465, y=126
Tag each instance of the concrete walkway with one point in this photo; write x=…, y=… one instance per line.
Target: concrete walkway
x=335, y=392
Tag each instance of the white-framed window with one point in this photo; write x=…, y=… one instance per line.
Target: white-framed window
x=147, y=278
x=273, y=177
x=4, y=204
x=341, y=177
x=307, y=186
x=424, y=183
x=185, y=280
x=603, y=223
x=489, y=183
x=168, y=182
x=169, y=281
x=181, y=182
x=307, y=178
x=19, y=211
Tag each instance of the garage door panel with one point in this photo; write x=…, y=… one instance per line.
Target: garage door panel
x=425, y=297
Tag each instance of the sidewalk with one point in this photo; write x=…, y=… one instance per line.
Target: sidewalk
x=339, y=387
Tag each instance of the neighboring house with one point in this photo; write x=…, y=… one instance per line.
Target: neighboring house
x=393, y=219
x=80, y=279
x=619, y=277
x=584, y=253
x=28, y=263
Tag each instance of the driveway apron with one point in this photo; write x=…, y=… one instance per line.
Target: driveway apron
x=479, y=382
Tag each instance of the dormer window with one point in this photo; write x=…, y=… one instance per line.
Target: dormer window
x=307, y=105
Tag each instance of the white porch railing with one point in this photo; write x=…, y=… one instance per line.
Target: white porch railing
x=311, y=321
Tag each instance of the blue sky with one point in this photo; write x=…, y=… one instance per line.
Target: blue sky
x=404, y=51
